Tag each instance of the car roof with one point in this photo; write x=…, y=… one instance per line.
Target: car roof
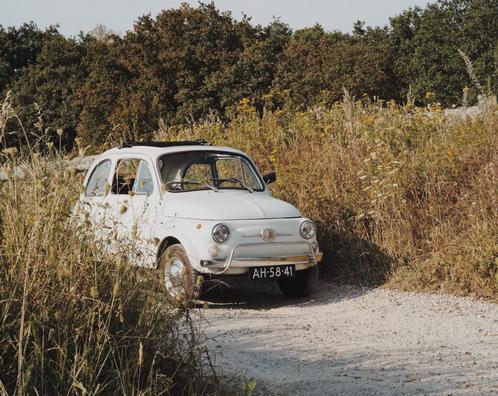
x=155, y=152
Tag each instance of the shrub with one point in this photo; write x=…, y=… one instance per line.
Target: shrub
x=400, y=194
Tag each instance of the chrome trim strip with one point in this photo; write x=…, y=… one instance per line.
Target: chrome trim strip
x=259, y=235
x=276, y=259
x=267, y=260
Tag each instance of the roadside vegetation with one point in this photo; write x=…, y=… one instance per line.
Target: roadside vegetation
x=401, y=194
x=74, y=320
x=353, y=124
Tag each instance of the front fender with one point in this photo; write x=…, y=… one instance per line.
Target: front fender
x=187, y=239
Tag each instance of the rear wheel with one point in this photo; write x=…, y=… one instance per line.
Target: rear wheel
x=301, y=285
x=177, y=274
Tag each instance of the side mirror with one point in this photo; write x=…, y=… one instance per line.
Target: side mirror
x=270, y=177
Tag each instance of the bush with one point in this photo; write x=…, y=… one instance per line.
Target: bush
x=400, y=194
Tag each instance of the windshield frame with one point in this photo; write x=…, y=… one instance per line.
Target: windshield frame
x=243, y=157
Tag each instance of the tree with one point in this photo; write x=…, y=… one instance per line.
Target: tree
x=252, y=75
x=403, y=29
x=178, y=63
x=190, y=62
x=301, y=68
x=427, y=42
x=98, y=96
x=316, y=62
x=47, y=87
x=19, y=48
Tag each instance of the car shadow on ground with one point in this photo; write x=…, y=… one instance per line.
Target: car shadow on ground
x=241, y=293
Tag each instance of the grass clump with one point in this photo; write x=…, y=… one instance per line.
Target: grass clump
x=72, y=319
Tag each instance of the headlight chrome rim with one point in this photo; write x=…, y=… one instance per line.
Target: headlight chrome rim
x=307, y=229
x=220, y=233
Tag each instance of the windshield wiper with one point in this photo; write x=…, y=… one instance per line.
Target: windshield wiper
x=171, y=183
x=232, y=180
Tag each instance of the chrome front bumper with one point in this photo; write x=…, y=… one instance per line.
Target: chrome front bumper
x=312, y=258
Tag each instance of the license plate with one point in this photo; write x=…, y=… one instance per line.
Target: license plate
x=273, y=272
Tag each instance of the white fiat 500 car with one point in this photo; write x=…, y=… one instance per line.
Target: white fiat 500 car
x=193, y=210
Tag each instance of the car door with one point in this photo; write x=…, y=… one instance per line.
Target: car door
x=132, y=203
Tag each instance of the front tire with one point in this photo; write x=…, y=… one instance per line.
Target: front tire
x=301, y=285
x=177, y=274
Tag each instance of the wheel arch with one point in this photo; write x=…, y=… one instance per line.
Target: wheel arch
x=165, y=243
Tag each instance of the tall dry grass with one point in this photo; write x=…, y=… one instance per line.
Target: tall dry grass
x=75, y=321
x=401, y=194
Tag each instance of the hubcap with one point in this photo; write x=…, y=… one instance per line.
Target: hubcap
x=174, y=276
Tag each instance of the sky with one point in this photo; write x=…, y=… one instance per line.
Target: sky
x=119, y=15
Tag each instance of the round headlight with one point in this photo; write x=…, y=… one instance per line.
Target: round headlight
x=220, y=233
x=307, y=229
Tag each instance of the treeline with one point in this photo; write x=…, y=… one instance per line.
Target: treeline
x=192, y=63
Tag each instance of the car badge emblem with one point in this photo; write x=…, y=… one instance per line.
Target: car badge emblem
x=268, y=234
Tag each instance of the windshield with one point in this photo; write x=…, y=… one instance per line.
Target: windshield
x=203, y=170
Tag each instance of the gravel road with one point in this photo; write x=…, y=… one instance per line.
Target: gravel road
x=350, y=340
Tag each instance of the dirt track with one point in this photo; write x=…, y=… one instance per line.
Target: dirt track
x=348, y=340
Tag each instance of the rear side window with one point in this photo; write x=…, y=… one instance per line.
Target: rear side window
x=97, y=183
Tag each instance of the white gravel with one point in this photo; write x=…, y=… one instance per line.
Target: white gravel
x=349, y=340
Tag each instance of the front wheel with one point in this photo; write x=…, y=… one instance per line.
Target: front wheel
x=301, y=285
x=177, y=274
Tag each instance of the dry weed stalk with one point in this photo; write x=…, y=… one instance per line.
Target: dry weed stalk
x=471, y=72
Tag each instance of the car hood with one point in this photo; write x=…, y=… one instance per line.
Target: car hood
x=227, y=205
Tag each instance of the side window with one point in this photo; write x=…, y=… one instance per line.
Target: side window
x=132, y=175
x=143, y=181
x=97, y=183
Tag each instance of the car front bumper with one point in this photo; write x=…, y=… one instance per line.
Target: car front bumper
x=238, y=265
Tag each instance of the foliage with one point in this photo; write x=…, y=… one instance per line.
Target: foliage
x=19, y=48
x=428, y=41
x=48, y=87
x=400, y=194
x=317, y=65
x=190, y=63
